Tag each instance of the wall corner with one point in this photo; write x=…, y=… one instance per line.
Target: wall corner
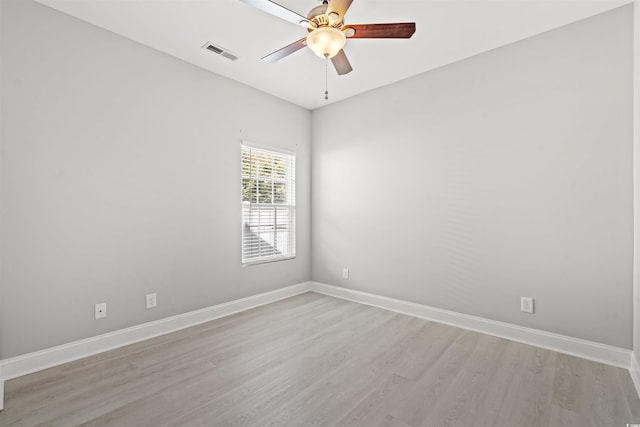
x=1, y=390
x=634, y=370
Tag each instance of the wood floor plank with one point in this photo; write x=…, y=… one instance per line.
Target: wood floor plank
x=296, y=386
x=314, y=360
x=350, y=383
x=424, y=394
x=495, y=398
x=457, y=405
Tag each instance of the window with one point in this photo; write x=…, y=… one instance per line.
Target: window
x=268, y=205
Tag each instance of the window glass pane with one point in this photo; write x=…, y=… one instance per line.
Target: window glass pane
x=264, y=191
x=279, y=192
x=246, y=163
x=249, y=190
x=264, y=166
x=279, y=169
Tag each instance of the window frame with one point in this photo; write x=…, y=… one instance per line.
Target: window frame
x=292, y=208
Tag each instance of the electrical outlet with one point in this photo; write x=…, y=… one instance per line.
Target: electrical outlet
x=526, y=305
x=101, y=310
x=151, y=300
x=345, y=273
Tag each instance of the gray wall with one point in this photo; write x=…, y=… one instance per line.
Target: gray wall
x=119, y=177
x=504, y=175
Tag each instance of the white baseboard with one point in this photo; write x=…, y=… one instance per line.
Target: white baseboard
x=603, y=353
x=36, y=361
x=634, y=370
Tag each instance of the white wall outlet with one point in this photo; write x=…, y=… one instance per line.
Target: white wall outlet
x=526, y=305
x=345, y=273
x=151, y=300
x=101, y=310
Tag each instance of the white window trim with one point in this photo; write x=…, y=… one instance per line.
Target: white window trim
x=274, y=258
x=250, y=144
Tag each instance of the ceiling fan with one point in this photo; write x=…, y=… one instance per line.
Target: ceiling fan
x=327, y=31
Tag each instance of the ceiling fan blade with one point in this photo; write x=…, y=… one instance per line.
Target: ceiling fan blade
x=287, y=50
x=400, y=30
x=341, y=63
x=280, y=11
x=338, y=6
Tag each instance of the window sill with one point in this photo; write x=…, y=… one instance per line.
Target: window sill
x=267, y=261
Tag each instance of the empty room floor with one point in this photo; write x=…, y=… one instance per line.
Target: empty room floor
x=315, y=360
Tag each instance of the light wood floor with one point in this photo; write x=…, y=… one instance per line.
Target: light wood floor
x=314, y=360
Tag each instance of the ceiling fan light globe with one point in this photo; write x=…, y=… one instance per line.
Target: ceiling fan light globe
x=326, y=42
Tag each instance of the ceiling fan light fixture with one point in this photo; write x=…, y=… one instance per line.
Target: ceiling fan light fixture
x=326, y=42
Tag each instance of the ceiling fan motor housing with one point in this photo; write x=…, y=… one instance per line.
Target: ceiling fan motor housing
x=320, y=18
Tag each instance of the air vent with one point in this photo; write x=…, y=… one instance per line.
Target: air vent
x=220, y=51
x=215, y=49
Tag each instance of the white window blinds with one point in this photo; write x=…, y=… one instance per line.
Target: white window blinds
x=268, y=205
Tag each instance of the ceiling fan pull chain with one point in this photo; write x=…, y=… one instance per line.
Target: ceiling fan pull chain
x=326, y=78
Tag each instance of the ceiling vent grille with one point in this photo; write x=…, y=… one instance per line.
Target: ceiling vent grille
x=220, y=51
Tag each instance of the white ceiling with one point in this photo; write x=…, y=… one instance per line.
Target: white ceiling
x=446, y=31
